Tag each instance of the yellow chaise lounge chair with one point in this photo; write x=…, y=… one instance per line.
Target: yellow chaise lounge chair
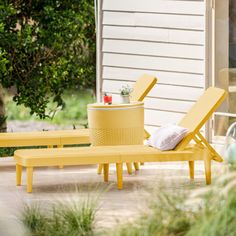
x=60, y=138
x=193, y=121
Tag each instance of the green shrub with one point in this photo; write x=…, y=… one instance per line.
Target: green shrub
x=7, y=152
x=74, y=111
x=46, y=47
x=72, y=219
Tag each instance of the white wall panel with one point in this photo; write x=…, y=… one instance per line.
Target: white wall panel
x=153, y=34
x=159, y=37
x=158, y=91
x=153, y=63
x=164, y=77
x=160, y=6
x=190, y=22
x=154, y=49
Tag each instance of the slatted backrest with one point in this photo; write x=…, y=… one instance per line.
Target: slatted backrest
x=142, y=87
x=202, y=110
x=200, y=113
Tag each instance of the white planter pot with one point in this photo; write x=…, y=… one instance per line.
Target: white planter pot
x=125, y=99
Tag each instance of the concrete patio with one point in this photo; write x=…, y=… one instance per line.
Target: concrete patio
x=115, y=206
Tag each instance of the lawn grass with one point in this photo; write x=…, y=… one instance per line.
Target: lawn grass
x=74, y=112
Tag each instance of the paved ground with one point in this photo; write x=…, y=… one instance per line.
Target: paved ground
x=115, y=206
x=52, y=184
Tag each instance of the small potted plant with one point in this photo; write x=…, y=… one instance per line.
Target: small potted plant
x=125, y=93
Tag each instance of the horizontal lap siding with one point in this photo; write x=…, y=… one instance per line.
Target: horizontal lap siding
x=156, y=6
x=154, y=34
x=152, y=63
x=154, y=20
x=164, y=77
x=154, y=49
x=158, y=37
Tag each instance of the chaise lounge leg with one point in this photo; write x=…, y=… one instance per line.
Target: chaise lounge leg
x=99, y=170
x=207, y=165
x=60, y=146
x=191, y=169
x=29, y=176
x=128, y=165
x=119, y=173
x=129, y=168
x=106, y=172
x=18, y=174
x=136, y=166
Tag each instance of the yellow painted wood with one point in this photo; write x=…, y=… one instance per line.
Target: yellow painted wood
x=60, y=146
x=191, y=169
x=104, y=155
x=207, y=165
x=119, y=173
x=18, y=174
x=106, y=172
x=44, y=138
x=136, y=166
x=99, y=170
x=142, y=87
x=129, y=168
x=29, y=176
x=215, y=155
x=200, y=113
x=203, y=109
x=65, y=156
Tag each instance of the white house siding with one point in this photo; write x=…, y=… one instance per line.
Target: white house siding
x=165, y=38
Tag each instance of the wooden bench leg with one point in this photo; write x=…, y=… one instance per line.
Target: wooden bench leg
x=136, y=166
x=60, y=146
x=129, y=168
x=99, y=170
x=18, y=174
x=207, y=165
x=191, y=169
x=29, y=176
x=119, y=173
x=106, y=172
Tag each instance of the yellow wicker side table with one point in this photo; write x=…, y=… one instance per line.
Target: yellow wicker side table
x=116, y=124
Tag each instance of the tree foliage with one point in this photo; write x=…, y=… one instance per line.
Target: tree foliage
x=46, y=47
